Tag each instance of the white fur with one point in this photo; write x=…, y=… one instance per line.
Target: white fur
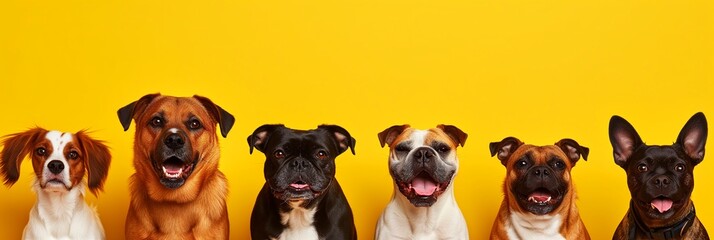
x=402, y=220
x=60, y=213
x=299, y=222
x=531, y=226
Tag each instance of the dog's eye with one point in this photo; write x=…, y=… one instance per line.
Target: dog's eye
x=73, y=155
x=679, y=167
x=642, y=167
x=521, y=163
x=402, y=148
x=322, y=155
x=279, y=154
x=443, y=149
x=41, y=151
x=157, y=122
x=560, y=164
x=194, y=124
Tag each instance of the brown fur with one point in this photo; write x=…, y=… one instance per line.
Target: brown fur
x=572, y=226
x=196, y=210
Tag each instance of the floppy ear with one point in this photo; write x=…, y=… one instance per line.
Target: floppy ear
x=343, y=137
x=624, y=139
x=260, y=136
x=15, y=149
x=455, y=133
x=224, y=119
x=504, y=148
x=127, y=113
x=693, y=137
x=390, y=134
x=96, y=160
x=573, y=150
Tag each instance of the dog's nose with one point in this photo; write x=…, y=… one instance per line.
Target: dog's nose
x=55, y=166
x=299, y=165
x=541, y=172
x=174, y=141
x=423, y=155
x=661, y=181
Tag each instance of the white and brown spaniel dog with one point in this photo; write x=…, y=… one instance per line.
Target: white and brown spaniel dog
x=60, y=161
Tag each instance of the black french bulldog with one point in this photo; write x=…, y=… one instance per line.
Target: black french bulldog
x=301, y=198
x=661, y=180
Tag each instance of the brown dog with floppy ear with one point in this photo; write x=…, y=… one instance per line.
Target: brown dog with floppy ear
x=177, y=191
x=539, y=196
x=60, y=162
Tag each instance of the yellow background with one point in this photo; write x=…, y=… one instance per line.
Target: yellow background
x=537, y=70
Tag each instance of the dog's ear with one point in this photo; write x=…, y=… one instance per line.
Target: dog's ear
x=693, y=137
x=344, y=139
x=573, y=150
x=127, y=113
x=260, y=136
x=624, y=139
x=504, y=148
x=455, y=133
x=15, y=149
x=390, y=134
x=96, y=160
x=224, y=119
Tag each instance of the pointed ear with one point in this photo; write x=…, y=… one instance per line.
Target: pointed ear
x=573, y=150
x=390, y=134
x=455, y=133
x=260, y=136
x=342, y=137
x=624, y=139
x=693, y=137
x=15, y=149
x=504, y=148
x=224, y=119
x=127, y=113
x=96, y=160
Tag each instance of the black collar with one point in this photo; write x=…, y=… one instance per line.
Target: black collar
x=674, y=231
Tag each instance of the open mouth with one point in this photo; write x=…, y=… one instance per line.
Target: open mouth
x=540, y=196
x=661, y=204
x=173, y=168
x=540, y=201
x=423, y=189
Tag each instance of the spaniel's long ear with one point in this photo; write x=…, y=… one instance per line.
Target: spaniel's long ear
x=15, y=149
x=96, y=159
x=128, y=112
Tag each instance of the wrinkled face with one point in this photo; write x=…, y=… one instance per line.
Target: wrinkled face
x=538, y=177
x=175, y=130
x=57, y=161
x=423, y=164
x=300, y=165
x=660, y=179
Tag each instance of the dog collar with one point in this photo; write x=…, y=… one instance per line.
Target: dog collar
x=674, y=231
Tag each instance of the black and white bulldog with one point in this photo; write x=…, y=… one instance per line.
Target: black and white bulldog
x=301, y=198
x=423, y=164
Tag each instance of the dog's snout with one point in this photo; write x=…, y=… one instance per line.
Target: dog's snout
x=299, y=165
x=661, y=181
x=55, y=166
x=540, y=172
x=174, y=141
x=423, y=155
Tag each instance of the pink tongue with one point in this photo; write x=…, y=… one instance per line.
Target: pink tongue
x=172, y=169
x=298, y=185
x=540, y=197
x=423, y=187
x=662, y=205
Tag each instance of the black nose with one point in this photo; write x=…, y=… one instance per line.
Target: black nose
x=55, y=166
x=423, y=155
x=299, y=165
x=540, y=172
x=661, y=181
x=174, y=141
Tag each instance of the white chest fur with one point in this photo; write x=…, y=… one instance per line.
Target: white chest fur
x=530, y=226
x=299, y=223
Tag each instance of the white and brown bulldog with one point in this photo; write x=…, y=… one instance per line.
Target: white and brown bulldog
x=539, y=196
x=423, y=164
